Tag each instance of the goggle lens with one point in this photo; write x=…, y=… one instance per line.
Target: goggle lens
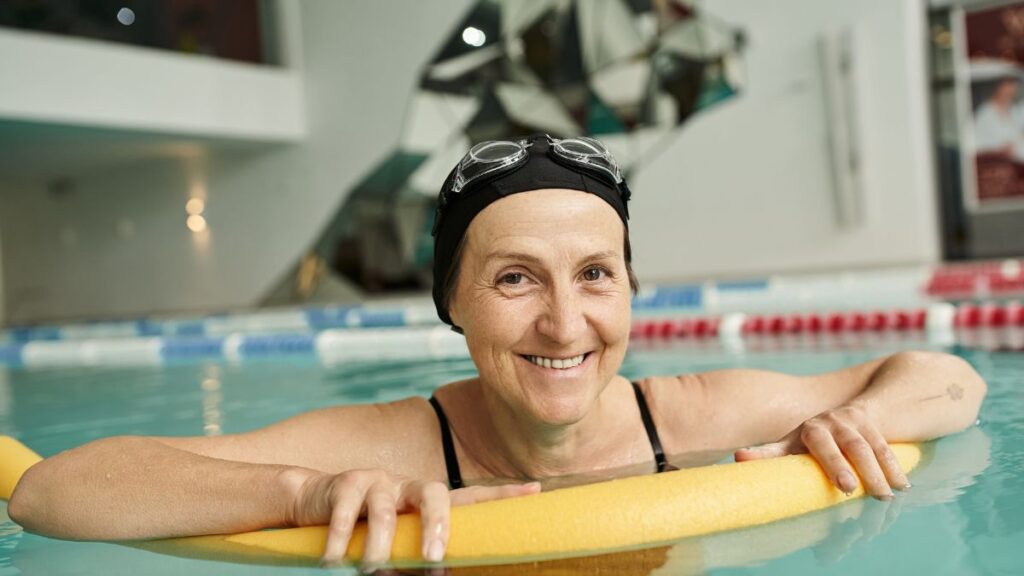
x=486, y=158
x=495, y=151
x=581, y=146
x=588, y=152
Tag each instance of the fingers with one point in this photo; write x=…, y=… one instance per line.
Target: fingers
x=381, y=518
x=847, y=445
x=862, y=456
x=773, y=450
x=823, y=447
x=790, y=444
x=894, y=474
x=347, y=501
x=474, y=494
x=382, y=496
x=434, y=503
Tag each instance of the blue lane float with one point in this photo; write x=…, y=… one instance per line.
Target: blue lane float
x=289, y=321
x=190, y=349
x=682, y=297
x=277, y=345
x=328, y=346
x=10, y=354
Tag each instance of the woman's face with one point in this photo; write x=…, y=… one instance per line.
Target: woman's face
x=1006, y=92
x=544, y=299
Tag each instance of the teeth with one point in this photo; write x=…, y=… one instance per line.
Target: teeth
x=557, y=363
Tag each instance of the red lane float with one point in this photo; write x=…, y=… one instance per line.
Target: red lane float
x=940, y=316
x=977, y=279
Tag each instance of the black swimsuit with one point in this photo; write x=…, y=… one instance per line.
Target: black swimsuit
x=451, y=461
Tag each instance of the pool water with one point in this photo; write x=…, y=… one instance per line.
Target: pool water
x=965, y=514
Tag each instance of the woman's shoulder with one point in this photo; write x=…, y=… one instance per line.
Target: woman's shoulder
x=671, y=391
x=378, y=419
x=400, y=436
x=679, y=408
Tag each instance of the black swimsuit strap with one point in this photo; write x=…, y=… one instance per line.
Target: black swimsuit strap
x=652, y=432
x=451, y=461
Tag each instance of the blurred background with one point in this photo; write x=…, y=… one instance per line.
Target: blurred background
x=167, y=157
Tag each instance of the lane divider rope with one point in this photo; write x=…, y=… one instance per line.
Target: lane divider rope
x=939, y=316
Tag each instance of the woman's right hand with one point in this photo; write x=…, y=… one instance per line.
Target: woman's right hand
x=340, y=500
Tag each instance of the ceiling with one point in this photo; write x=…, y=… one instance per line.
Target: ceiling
x=31, y=151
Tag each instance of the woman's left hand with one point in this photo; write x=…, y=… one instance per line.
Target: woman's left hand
x=846, y=443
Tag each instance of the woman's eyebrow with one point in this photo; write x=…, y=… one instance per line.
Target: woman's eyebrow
x=523, y=257
x=603, y=255
x=518, y=256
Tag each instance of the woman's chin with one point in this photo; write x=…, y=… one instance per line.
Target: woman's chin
x=559, y=409
x=556, y=397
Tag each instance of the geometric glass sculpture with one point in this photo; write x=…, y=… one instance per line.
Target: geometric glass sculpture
x=629, y=72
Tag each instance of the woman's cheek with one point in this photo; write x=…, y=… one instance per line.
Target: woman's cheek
x=505, y=316
x=614, y=317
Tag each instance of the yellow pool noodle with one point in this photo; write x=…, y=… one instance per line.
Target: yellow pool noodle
x=605, y=517
x=15, y=458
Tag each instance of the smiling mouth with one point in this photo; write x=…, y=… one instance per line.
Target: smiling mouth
x=557, y=363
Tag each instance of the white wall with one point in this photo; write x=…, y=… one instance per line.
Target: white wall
x=265, y=203
x=747, y=186
x=83, y=82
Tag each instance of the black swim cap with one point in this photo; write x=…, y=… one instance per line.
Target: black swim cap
x=539, y=171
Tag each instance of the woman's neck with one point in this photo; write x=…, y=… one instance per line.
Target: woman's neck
x=507, y=444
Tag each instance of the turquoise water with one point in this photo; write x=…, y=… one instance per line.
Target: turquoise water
x=965, y=514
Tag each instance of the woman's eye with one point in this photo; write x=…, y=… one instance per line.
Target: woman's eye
x=511, y=278
x=592, y=274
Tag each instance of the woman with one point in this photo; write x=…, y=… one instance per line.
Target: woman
x=999, y=122
x=532, y=262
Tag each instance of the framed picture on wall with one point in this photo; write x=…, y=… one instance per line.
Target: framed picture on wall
x=990, y=78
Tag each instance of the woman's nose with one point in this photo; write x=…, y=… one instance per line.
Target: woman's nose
x=563, y=321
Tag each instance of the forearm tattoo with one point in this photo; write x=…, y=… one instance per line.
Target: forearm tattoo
x=954, y=391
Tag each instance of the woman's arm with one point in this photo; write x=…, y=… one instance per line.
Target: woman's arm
x=842, y=418
x=135, y=487
x=912, y=396
x=327, y=467
x=127, y=488
x=916, y=396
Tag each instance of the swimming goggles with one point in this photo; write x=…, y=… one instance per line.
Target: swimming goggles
x=491, y=159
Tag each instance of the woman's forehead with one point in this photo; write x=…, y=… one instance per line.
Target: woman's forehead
x=547, y=216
